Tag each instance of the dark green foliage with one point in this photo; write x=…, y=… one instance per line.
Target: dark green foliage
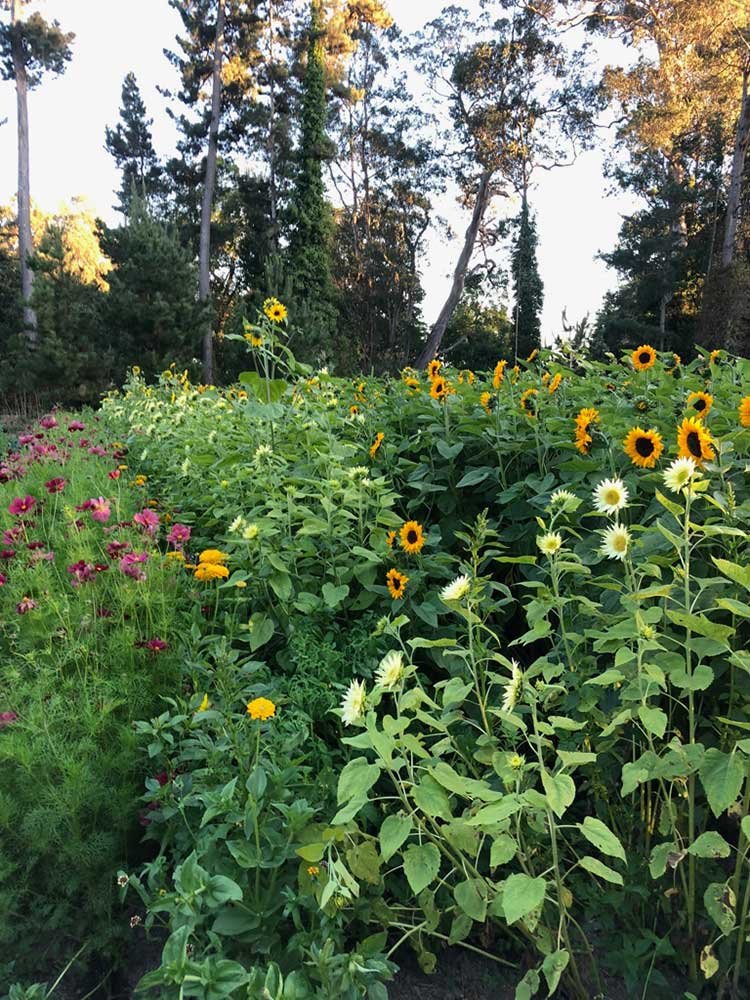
x=528, y=289
x=480, y=333
x=130, y=145
x=45, y=47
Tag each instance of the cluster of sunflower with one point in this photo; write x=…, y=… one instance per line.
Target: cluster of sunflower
x=411, y=539
x=440, y=387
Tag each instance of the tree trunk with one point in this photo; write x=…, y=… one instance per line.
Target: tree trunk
x=204, y=255
x=459, y=275
x=735, y=185
x=25, y=244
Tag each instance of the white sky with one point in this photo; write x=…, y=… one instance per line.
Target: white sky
x=577, y=217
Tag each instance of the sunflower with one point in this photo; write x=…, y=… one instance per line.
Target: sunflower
x=694, y=441
x=584, y=420
x=487, y=402
x=254, y=340
x=516, y=373
x=440, y=388
x=412, y=384
x=353, y=411
x=274, y=310
x=468, y=376
x=714, y=357
x=375, y=446
x=615, y=542
x=545, y=378
x=643, y=357
x=412, y=538
x=528, y=403
x=554, y=384
x=532, y=356
x=499, y=374
x=396, y=583
x=643, y=448
x=701, y=402
x=744, y=411
x=433, y=369
x=390, y=539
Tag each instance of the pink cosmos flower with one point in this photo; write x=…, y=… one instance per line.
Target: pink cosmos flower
x=115, y=549
x=100, y=510
x=131, y=563
x=7, y=553
x=11, y=535
x=97, y=450
x=154, y=645
x=56, y=485
x=178, y=535
x=3, y=579
x=39, y=555
x=48, y=422
x=147, y=520
x=76, y=425
x=21, y=505
x=25, y=605
x=6, y=718
x=24, y=439
x=81, y=572
x=114, y=474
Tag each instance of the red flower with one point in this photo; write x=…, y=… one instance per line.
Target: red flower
x=3, y=580
x=153, y=645
x=25, y=605
x=76, y=425
x=114, y=474
x=82, y=572
x=7, y=553
x=21, y=505
x=115, y=549
x=56, y=485
x=48, y=422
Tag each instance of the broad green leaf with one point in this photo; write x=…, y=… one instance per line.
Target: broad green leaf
x=701, y=625
x=708, y=961
x=575, y=758
x=333, y=595
x=471, y=896
x=431, y=798
x=710, y=845
x=600, y=835
x=658, y=862
x=393, y=833
x=601, y=870
x=560, y=791
x=521, y=895
x=421, y=866
x=529, y=986
x=364, y=862
x=356, y=779
x=553, y=967
x=740, y=574
x=610, y=676
x=722, y=775
x=503, y=850
x=654, y=720
x=720, y=904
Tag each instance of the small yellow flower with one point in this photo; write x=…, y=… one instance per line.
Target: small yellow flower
x=176, y=556
x=205, y=704
x=140, y=480
x=254, y=340
x=213, y=556
x=375, y=446
x=499, y=374
x=554, y=384
x=274, y=310
x=261, y=708
x=714, y=357
x=313, y=871
x=211, y=571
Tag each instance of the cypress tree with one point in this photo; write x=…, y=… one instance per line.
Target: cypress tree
x=528, y=289
x=310, y=246
x=130, y=144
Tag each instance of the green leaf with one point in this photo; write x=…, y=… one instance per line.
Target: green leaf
x=610, y=676
x=503, y=850
x=658, y=862
x=560, y=791
x=393, y=833
x=701, y=625
x=311, y=852
x=332, y=595
x=700, y=679
x=596, y=867
x=710, y=845
x=553, y=967
x=431, y=798
x=654, y=720
x=421, y=866
x=471, y=896
x=281, y=584
x=364, y=862
x=721, y=775
x=475, y=476
x=740, y=574
x=720, y=904
x=528, y=986
x=356, y=779
x=521, y=895
x=221, y=889
x=575, y=758
x=600, y=835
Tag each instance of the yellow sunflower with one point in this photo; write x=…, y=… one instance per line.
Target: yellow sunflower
x=694, y=441
x=412, y=384
x=375, y=446
x=584, y=420
x=353, y=411
x=412, y=538
x=396, y=583
x=744, y=411
x=532, y=356
x=714, y=357
x=701, y=402
x=390, y=539
x=440, y=388
x=499, y=374
x=528, y=403
x=554, y=384
x=545, y=378
x=468, y=376
x=486, y=401
x=643, y=448
x=254, y=340
x=643, y=358
x=274, y=310
x=433, y=369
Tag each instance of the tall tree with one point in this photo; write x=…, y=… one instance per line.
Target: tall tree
x=131, y=146
x=517, y=100
x=528, y=288
x=28, y=49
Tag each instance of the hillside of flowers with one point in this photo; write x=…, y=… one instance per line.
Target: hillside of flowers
x=309, y=674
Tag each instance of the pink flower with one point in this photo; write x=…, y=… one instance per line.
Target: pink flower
x=6, y=718
x=56, y=485
x=147, y=520
x=114, y=474
x=24, y=439
x=7, y=553
x=97, y=450
x=178, y=535
x=48, y=422
x=153, y=645
x=11, y=535
x=39, y=555
x=100, y=510
x=76, y=425
x=3, y=579
x=131, y=563
x=21, y=505
x=81, y=572
x=115, y=549
x=25, y=605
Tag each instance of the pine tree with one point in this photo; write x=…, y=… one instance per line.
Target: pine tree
x=310, y=248
x=130, y=145
x=528, y=289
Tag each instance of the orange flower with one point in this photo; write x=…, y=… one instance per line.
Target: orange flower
x=396, y=583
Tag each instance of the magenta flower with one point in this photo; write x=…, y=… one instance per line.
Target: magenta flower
x=48, y=422
x=97, y=450
x=115, y=549
x=178, y=535
x=131, y=563
x=100, y=509
x=21, y=505
x=154, y=645
x=76, y=425
x=24, y=439
x=7, y=553
x=56, y=485
x=25, y=605
x=114, y=474
x=3, y=579
x=147, y=520
x=6, y=718
x=11, y=535
x=81, y=572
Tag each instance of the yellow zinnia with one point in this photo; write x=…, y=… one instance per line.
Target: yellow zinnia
x=211, y=571
x=212, y=556
x=261, y=709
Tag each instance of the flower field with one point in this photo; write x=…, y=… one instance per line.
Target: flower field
x=307, y=673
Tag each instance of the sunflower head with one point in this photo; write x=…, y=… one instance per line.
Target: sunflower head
x=743, y=411
x=700, y=402
x=499, y=374
x=396, y=583
x=274, y=310
x=487, y=402
x=375, y=446
x=694, y=441
x=412, y=538
x=433, y=368
x=528, y=402
x=440, y=388
x=583, y=439
x=643, y=357
x=554, y=384
x=643, y=448
x=713, y=357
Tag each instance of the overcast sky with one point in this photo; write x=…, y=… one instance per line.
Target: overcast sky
x=577, y=216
